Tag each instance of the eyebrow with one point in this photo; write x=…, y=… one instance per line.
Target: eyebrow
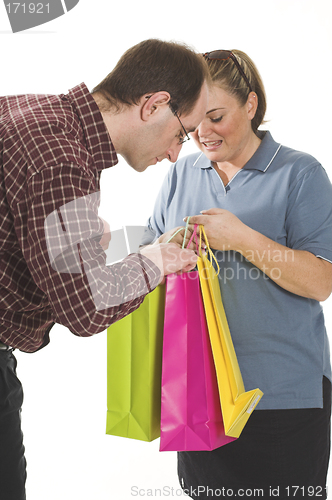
x=215, y=109
x=192, y=129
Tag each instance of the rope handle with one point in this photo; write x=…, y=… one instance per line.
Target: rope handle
x=176, y=232
x=185, y=234
x=202, y=234
x=194, y=236
x=211, y=254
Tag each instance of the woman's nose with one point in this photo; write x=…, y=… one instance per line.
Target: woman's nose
x=203, y=129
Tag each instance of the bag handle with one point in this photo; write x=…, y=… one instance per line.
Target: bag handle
x=202, y=233
x=185, y=234
x=211, y=254
x=176, y=232
x=194, y=236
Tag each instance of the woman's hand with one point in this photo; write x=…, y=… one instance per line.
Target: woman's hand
x=223, y=229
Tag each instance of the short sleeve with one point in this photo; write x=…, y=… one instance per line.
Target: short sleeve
x=309, y=213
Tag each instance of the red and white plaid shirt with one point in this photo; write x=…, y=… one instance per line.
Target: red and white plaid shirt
x=52, y=151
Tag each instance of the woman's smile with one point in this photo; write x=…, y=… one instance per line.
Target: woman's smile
x=212, y=145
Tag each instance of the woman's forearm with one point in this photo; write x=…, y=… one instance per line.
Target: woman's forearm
x=297, y=271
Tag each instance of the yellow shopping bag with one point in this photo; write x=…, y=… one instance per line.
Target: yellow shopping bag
x=236, y=404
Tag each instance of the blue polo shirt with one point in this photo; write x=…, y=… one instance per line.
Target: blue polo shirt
x=279, y=337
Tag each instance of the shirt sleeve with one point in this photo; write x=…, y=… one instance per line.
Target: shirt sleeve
x=66, y=261
x=309, y=213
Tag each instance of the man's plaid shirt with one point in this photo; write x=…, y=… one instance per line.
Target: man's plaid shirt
x=52, y=152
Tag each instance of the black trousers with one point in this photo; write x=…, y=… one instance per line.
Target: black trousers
x=12, y=460
x=280, y=453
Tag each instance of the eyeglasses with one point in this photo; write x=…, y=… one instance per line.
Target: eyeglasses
x=223, y=55
x=174, y=111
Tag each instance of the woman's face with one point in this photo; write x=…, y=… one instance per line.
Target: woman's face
x=225, y=134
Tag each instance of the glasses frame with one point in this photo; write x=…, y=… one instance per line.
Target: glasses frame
x=175, y=113
x=223, y=55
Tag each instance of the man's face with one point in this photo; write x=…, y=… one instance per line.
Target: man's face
x=161, y=137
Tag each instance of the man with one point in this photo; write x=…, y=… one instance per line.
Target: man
x=52, y=152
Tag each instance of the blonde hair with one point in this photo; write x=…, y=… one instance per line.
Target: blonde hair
x=226, y=74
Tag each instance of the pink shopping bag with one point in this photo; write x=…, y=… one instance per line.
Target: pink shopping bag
x=190, y=406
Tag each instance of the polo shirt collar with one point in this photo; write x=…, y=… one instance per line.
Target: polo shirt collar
x=261, y=160
x=98, y=141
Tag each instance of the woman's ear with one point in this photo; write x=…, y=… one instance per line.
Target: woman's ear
x=252, y=104
x=151, y=104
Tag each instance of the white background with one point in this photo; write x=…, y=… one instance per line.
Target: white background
x=69, y=456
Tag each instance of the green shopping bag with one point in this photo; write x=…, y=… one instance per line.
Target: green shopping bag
x=134, y=354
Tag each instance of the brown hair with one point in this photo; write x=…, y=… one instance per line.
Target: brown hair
x=152, y=66
x=226, y=74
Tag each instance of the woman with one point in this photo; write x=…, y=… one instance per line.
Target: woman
x=267, y=212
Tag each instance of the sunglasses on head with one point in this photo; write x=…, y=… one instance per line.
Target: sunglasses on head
x=223, y=55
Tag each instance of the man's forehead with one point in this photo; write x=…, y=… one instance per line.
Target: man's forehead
x=198, y=113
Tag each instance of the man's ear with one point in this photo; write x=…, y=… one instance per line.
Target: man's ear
x=151, y=104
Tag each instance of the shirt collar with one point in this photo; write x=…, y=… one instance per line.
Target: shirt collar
x=261, y=160
x=98, y=141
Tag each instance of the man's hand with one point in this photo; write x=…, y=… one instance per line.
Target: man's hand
x=178, y=239
x=170, y=258
x=106, y=238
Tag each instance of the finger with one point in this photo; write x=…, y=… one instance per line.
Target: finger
x=190, y=257
x=183, y=232
x=195, y=240
x=184, y=236
x=177, y=242
x=212, y=211
x=188, y=268
x=179, y=239
x=192, y=246
x=197, y=219
x=173, y=234
x=192, y=217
